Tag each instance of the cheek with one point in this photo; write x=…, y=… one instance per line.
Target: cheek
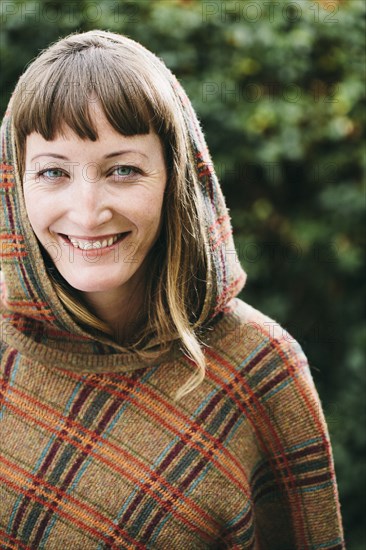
x=147, y=210
x=39, y=208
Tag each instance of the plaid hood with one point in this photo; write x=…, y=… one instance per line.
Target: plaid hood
x=30, y=305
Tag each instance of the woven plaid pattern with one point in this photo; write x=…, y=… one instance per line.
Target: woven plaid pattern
x=99, y=460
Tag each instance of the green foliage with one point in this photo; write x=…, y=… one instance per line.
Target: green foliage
x=279, y=88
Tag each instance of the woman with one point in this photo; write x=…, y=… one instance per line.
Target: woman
x=143, y=404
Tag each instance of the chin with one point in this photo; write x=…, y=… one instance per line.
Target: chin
x=94, y=283
x=90, y=287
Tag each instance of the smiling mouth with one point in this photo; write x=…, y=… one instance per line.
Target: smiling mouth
x=89, y=244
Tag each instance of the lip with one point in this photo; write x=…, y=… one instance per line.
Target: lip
x=94, y=238
x=94, y=251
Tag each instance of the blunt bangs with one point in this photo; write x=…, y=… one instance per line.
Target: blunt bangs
x=62, y=94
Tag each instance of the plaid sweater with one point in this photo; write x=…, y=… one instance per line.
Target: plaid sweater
x=94, y=451
x=103, y=457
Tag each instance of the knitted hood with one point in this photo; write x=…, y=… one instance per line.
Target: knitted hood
x=31, y=308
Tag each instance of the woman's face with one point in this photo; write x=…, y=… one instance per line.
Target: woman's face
x=96, y=207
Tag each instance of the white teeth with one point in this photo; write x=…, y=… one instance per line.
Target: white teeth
x=89, y=245
x=74, y=242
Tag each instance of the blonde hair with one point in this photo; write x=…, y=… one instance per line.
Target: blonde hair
x=135, y=91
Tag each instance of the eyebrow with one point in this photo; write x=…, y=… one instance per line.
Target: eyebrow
x=110, y=155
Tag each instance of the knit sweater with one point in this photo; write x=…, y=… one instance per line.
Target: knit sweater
x=105, y=459
x=95, y=453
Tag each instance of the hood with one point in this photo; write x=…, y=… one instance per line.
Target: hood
x=30, y=306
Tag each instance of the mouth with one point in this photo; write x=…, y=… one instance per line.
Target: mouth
x=96, y=243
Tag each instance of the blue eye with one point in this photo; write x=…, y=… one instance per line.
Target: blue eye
x=124, y=170
x=52, y=173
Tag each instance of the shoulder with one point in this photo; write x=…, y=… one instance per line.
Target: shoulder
x=261, y=368
x=244, y=331
x=263, y=372
x=261, y=357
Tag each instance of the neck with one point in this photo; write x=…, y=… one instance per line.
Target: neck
x=121, y=309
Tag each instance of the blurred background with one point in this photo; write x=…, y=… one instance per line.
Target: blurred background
x=279, y=87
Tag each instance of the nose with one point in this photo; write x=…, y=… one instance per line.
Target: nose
x=89, y=204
